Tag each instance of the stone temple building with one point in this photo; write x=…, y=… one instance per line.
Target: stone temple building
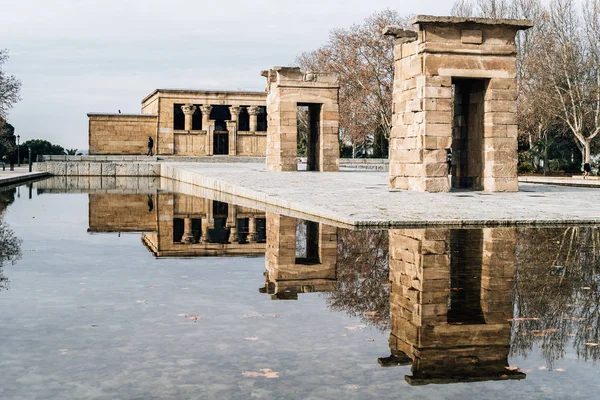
x=454, y=104
x=185, y=123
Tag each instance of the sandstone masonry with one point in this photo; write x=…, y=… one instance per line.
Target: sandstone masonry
x=454, y=105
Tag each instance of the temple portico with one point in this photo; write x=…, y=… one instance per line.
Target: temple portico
x=185, y=123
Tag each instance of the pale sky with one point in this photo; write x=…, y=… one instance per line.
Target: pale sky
x=78, y=56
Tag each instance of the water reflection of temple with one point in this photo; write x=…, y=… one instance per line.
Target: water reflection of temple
x=451, y=304
x=179, y=225
x=300, y=257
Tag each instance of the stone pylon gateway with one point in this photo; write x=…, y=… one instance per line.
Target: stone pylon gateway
x=454, y=105
x=288, y=88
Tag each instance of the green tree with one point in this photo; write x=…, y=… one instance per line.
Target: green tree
x=10, y=87
x=7, y=138
x=42, y=147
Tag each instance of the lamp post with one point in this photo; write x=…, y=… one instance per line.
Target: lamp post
x=18, y=152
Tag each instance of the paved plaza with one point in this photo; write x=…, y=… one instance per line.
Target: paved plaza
x=362, y=198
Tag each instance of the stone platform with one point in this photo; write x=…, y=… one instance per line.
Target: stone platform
x=362, y=198
x=19, y=175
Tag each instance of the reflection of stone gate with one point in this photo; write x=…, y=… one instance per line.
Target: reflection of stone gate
x=450, y=303
x=301, y=257
x=454, y=101
x=289, y=88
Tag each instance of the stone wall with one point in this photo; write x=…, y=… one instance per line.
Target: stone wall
x=442, y=55
x=120, y=133
x=288, y=88
x=121, y=213
x=100, y=168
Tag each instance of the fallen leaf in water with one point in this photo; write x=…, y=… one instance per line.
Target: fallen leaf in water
x=252, y=338
x=343, y=334
x=273, y=315
x=193, y=317
x=181, y=315
x=370, y=340
x=560, y=369
x=265, y=372
x=250, y=316
x=351, y=387
x=356, y=328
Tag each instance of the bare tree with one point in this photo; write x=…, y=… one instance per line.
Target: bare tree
x=363, y=58
x=10, y=87
x=463, y=8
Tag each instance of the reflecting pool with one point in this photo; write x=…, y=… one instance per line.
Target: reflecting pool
x=134, y=292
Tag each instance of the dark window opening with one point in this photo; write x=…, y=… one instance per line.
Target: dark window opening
x=466, y=158
x=243, y=226
x=244, y=119
x=307, y=242
x=221, y=143
x=178, y=227
x=178, y=117
x=196, y=229
x=261, y=230
x=261, y=120
x=465, y=276
x=220, y=114
x=197, y=119
x=220, y=232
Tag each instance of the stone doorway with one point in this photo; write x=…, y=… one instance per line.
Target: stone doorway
x=221, y=143
x=309, y=121
x=466, y=157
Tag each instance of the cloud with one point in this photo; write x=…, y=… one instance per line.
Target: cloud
x=79, y=56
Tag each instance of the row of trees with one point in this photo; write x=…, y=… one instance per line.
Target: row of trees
x=558, y=75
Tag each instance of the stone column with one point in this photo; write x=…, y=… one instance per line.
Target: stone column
x=253, y=112
x=188, y=235
x=206, y=109
x=204, y=237
x=252, y=236
x=235, y=112
x=232, y=224
x=188, y=110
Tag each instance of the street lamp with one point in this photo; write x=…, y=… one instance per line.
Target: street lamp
x=18, y=152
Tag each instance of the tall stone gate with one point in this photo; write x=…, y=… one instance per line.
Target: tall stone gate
x=288, y=88
x=454, y=105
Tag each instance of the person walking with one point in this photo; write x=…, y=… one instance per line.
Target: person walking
x=587, y=168
x=150, y=145
x=3, y=163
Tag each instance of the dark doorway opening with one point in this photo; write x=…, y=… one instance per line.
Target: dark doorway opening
x=467, y=134
x=309, y=123
x=307, y=242
x=221, y=143
x=466, y=260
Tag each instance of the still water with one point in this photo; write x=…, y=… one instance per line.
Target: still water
x=155, y=294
